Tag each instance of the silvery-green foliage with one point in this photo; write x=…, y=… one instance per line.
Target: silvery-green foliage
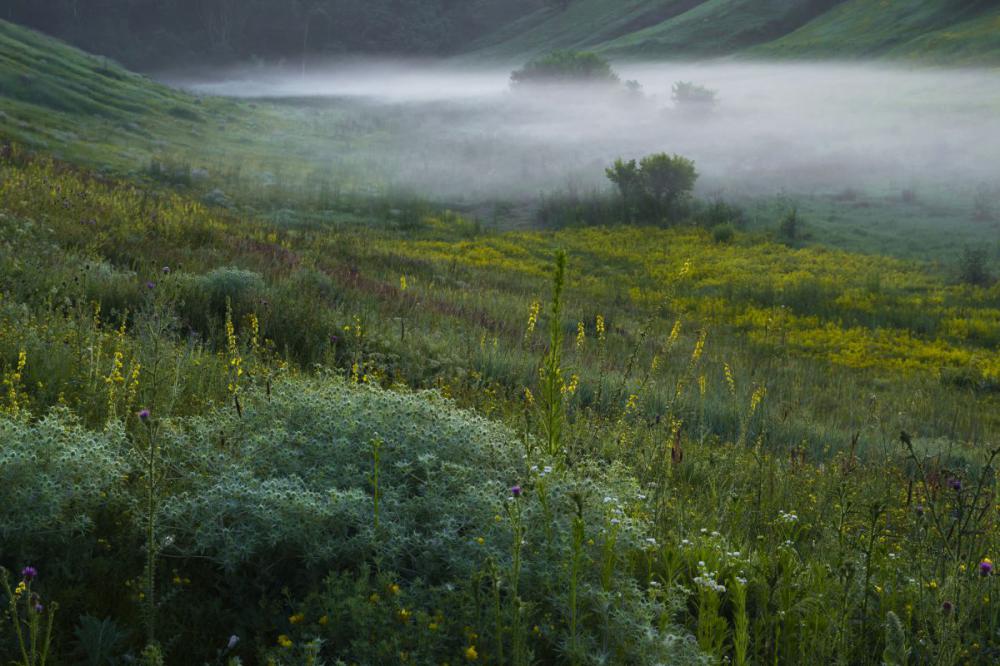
x=291, y=479
x=55, y=475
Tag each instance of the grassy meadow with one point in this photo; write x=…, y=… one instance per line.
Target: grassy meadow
x=247, y=418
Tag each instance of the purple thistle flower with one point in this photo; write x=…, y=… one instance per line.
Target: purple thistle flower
x=150, y=285
x=29, y=573
x=516, y=491
x=955, y=484
x=144, y=415
x=986, y=567
x=947, y=606
x=166, y=270
x=39, y=608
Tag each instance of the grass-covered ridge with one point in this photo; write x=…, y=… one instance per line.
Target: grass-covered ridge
x=905, y=30
x=92, y=111
x=941, y=31
x=933, y=30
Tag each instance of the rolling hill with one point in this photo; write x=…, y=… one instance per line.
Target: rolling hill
x=933, y=30
x=148, y=36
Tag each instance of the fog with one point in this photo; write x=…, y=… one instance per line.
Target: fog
x=453, y=132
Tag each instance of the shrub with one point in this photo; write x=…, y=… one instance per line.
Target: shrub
x=973, y=267
x=55, y=477
x=723, y=233
x=653, y=189
x=262, y=507
x=718, y=213
x=204, y=298
x=566, y=67
x=573, y=208
x=690, y=96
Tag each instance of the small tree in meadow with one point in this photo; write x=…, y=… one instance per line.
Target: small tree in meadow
x=652, y=189
x=667, y=179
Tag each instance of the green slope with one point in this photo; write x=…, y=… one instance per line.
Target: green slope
x=582, y=24
x=718, y=27
x=943, y=29
x=85, y=107
x=91, y=111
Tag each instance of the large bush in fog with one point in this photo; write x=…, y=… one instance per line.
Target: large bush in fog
x=654, y=189
x=565, y=67
x=693, y=97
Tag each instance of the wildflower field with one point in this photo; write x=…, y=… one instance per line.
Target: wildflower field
x=383, y=432
x=381, y=444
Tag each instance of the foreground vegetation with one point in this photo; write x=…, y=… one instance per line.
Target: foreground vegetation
x=232, y=438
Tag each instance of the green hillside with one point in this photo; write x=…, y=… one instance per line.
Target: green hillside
x=92, y=111
x=936, y=30
x=582, y=24
x=55, y=96
x=153, y=36
x=949, y=31
x=717, y=27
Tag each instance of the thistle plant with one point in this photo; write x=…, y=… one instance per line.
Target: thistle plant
x=31, y=620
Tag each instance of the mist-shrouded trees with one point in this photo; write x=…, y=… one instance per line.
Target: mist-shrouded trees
x=565, y=67
x=690, y=96
x=654, y=189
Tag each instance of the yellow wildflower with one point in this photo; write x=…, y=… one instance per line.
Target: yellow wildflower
x=532, y=317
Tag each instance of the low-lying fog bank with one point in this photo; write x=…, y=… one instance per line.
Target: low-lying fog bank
x=453, y=132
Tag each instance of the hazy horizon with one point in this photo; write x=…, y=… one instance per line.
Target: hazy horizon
x=459, y=130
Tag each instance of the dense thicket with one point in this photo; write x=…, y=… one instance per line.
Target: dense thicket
x=158, y=33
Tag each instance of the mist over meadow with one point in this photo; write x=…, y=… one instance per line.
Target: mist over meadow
x=460, y=132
